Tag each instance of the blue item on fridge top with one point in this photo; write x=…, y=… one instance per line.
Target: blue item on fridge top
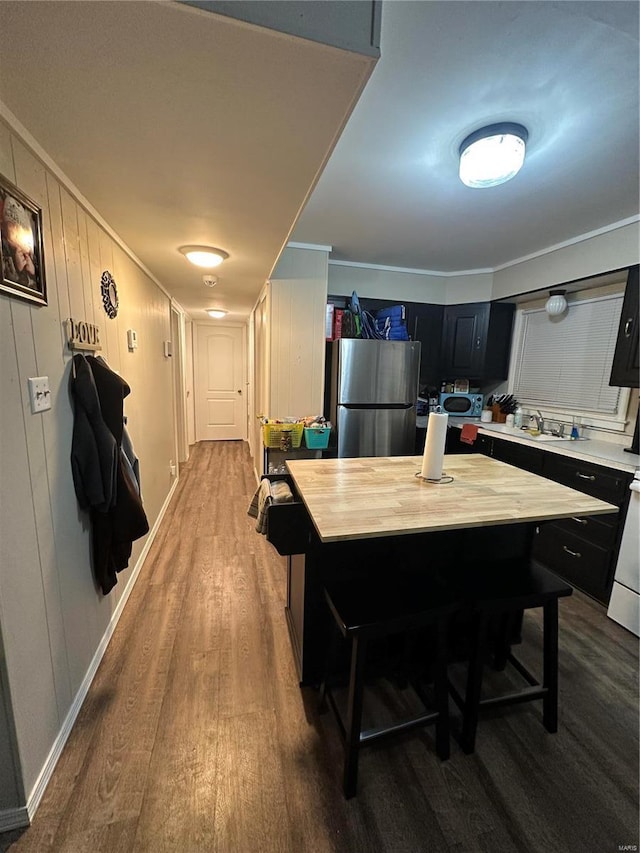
x=392, y=323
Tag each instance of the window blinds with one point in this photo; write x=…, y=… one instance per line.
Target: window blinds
x=566, y=361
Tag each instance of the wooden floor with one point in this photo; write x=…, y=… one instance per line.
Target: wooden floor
x=196, y=737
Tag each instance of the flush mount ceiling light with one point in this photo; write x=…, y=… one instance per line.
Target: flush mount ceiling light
x=493, y=154
x=204, y=256
x=556, y=303
x=217, y=313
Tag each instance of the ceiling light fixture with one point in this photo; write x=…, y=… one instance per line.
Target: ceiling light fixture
x=204, y=256
x=493, y=154
x=556, y=303
x=217, y=313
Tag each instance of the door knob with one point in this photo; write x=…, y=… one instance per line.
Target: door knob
x=239, y=391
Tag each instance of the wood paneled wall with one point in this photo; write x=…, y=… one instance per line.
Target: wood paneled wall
x=298, y=299
x=52, y=617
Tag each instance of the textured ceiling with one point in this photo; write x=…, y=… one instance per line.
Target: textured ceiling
x=568, y=71
x=182, y=126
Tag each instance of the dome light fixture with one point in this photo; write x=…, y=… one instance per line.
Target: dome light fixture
x=204, y=256
x=217, y=313
x=556, y=303
x=493, y=154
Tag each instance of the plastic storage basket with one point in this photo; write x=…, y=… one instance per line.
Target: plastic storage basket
x=317, y=438
x=272, y=434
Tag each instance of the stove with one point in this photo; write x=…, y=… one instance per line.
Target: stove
x=624, y=606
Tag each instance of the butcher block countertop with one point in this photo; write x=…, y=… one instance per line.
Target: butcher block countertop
x=381, y=496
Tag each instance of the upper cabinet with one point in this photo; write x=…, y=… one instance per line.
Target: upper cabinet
x=625, y=369
x=477, y=340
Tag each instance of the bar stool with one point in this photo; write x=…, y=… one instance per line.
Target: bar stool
x=373, y=608
x=499, y=594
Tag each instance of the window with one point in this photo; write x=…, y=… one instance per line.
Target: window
x=565, y=362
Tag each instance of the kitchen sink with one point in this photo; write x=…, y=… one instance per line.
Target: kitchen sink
x=546, y=437
x=502, y=429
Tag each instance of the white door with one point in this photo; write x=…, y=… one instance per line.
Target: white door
x=220, y=401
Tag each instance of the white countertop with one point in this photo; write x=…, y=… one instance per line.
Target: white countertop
x=591, y=450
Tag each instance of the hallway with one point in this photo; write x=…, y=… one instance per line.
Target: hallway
x=195, y=735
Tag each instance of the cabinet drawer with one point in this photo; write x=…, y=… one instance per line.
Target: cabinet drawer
x=595, y=480
x=288, y=524
x=582, y=563
x=598, y=529
x=288, y=528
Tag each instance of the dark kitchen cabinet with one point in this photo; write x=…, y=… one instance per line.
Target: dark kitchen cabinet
x=482, y=444
x=477, y=340
x=528, y=458
x=583, y=550
x=424, y=322
x=625, y=370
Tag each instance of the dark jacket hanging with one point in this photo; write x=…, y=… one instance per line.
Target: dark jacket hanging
x=119, y=518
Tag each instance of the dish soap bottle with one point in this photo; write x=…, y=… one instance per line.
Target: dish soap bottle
x=517, y=418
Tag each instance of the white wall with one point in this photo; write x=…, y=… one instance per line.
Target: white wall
x=381, y=283
x=601, y=253
x=590, y=256
x=298, y=298
x=52, y=617
x=408, y=286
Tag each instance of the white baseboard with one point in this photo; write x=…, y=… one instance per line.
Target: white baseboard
x=25, y=814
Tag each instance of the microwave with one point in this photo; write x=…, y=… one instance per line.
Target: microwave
x=462, y=405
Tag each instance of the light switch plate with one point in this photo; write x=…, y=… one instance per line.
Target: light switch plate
x=39, y=394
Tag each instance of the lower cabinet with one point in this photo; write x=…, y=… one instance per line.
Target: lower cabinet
x=528, y=458
x=482, y=444
x=581, y=562
x=584, y=551
x=295, y=606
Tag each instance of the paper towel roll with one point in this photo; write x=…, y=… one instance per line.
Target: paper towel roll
x=434, y=446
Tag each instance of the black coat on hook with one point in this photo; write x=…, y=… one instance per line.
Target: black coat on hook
x=102, y=479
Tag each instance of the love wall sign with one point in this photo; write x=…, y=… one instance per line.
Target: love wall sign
x=82, y=335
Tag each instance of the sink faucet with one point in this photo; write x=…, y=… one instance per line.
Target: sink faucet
x=539, y=419
x=557, y=429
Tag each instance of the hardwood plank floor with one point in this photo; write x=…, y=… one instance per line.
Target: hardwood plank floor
x=196, y=737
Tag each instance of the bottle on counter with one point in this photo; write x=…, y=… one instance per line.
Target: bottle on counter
x=518, y=417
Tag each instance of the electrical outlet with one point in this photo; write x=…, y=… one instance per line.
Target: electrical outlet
x=172, y=468
x=39, y=394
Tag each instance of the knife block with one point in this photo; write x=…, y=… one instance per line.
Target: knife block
x=498, y=417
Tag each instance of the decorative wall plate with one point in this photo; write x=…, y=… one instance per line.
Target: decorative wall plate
x=109, y=293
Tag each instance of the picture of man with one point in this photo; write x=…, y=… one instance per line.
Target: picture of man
x=18, y=255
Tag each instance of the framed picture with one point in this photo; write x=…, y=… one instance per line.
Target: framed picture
x=21, y=254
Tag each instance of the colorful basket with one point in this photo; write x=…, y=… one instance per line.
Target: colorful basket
x=272, y=434
x=317, y=438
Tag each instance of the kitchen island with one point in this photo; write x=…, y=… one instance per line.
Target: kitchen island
x=375, y=512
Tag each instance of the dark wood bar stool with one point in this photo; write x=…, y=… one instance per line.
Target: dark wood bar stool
x=499, y=594
x=371, y=609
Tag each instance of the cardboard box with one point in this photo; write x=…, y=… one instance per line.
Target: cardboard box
x=328, y=326
x=337, y=323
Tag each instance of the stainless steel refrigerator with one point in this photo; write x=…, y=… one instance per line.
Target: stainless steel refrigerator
x=373, y=393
